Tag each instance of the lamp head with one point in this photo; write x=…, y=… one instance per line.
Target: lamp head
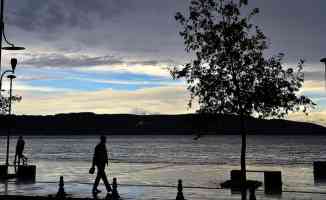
x=323, y=60
x=11, y=76
x=13, y=63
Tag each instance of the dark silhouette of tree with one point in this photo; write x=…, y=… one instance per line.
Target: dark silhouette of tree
x=4, y=103
x=229, y=73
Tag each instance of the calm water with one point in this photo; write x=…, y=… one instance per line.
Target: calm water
x=162, y=160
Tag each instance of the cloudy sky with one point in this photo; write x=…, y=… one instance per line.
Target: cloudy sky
x=111, y=56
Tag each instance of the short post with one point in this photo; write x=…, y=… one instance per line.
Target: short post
x=319, y=171
x=273, y=182
x=235, y=181
x=180, y=189
x=3, y=171
x=235, y=176
x=61, y=192
x=26, y=173
x=115, y=193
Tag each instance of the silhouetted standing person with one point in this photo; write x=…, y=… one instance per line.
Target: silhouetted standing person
x=19, y=151
x=100, y=159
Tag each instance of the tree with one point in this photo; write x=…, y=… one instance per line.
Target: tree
x=229, y=73
x=4, y=103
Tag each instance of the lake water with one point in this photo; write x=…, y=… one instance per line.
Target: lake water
x=162, y=160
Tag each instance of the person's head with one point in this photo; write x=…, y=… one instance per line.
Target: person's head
x=103, y=139
x=20, y=137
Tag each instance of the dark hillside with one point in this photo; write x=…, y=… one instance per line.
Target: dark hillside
x=90, y=123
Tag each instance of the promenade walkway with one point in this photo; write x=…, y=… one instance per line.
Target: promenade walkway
x=138, y=192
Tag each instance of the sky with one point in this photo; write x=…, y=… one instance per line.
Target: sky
x=112, y=56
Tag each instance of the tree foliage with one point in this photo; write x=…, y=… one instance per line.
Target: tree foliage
x=230, y=73
x=4, y=103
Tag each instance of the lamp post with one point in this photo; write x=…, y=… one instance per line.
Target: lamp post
x=11, y=76
x=10, y=46
x=3, y=36
x=13, y=63
x=323, y=60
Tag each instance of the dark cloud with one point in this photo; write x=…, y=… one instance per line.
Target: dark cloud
x=147, y=29
x=61, y=60
x=295, y=27
x=141, y=28
x=147, y=62
x=50, y=15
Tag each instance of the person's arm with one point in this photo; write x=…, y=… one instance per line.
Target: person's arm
x=16, y=153
x=107, y=158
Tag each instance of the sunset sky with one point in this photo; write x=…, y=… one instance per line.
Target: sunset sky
x=111, y=56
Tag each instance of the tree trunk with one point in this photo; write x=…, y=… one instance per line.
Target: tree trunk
x=243, y=158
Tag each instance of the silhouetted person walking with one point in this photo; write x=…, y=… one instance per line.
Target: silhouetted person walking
x=100, y=159
x=19, y=151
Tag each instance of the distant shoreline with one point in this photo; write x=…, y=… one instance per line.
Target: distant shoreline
x=127, y=124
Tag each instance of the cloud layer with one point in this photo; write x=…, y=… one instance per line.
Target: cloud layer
x=163, y=100
x=111, y=56
x=37, y=15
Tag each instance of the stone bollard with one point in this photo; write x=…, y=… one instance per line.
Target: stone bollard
x=115, y=193
x=235, y=176
x=61, y=192
x=235, y=181
x=3, y=171
x=273, y=182
x=26, y=173
x=319, y=172
x=180, y=189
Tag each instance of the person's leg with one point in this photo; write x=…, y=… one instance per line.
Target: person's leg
x=19, y=157
x=97, y=181
x=105, y=181
x=15, y=162
x=24, y=158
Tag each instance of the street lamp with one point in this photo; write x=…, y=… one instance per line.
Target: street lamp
x=3, y=36
x=323, y=60
x=11, y=76
x=13, y=63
